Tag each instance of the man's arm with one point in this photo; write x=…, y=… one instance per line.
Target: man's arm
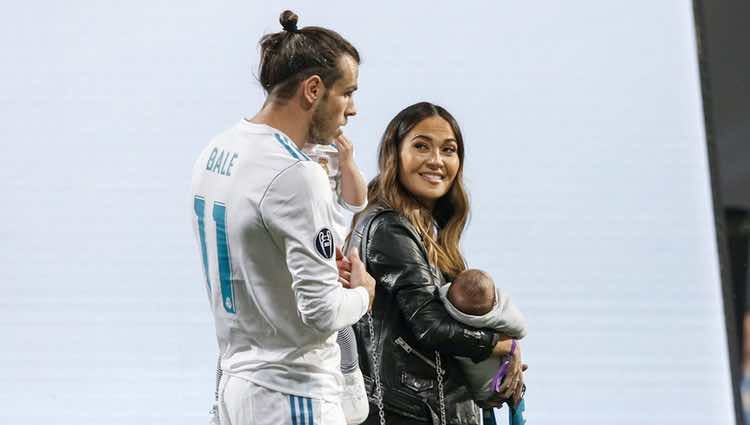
x=297, y=210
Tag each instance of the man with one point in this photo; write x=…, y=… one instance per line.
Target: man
x=263, y=217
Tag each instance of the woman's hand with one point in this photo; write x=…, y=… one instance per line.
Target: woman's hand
x=512, y=386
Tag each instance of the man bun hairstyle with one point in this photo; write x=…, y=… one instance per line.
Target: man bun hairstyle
x=294, y=54
x=288, y=20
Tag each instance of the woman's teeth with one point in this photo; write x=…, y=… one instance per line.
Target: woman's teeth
x=432, y=177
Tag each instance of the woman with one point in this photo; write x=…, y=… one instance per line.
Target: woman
x=409, y=237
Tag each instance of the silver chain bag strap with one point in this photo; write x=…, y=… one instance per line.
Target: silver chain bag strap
x=378, y=390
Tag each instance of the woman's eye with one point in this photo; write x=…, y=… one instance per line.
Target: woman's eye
x=420, y=146
x=450, y=150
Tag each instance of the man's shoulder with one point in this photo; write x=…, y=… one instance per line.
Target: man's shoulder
x=263, y=152
x=302, y=175
x=300, y=183
x=259, y=138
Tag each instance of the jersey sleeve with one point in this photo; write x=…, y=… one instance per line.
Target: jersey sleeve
x=297, y=211
x=354, y=209
x=349, y=207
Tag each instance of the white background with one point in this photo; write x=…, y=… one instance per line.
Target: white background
x=586, y=163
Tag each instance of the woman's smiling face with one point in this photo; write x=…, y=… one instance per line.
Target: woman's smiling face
x=429, y=160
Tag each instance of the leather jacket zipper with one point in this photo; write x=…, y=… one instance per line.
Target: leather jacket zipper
x=403, y=344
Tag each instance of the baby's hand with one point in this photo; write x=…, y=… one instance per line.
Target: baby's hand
x=346, y=151
x=353, y=186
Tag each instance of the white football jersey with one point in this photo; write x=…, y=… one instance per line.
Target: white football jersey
x=263, y=217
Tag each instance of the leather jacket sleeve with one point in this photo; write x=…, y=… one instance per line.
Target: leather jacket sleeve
x=397, y=259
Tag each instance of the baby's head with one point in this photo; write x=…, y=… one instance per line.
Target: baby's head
x=472, y=292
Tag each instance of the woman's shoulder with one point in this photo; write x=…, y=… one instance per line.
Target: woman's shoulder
x=392, y=239
x=380, y=221
x=385, y=218
x=392, y=232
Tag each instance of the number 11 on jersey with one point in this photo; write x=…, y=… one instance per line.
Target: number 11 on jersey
x=219, y=215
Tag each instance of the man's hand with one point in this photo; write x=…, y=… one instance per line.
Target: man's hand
x=345, y=268
x=358, y=275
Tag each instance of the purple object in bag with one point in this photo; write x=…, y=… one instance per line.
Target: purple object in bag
x=497, y=380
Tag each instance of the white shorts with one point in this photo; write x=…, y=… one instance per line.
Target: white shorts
x=242, y=402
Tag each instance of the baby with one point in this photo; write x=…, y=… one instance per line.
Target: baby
x=349, y=193
x=348, y=186
x=473, y=299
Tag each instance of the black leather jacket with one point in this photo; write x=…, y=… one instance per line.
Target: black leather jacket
x=411, y=325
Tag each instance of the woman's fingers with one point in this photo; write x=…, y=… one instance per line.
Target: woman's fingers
x=510, y=384
x=511, y=389
x=517, y=396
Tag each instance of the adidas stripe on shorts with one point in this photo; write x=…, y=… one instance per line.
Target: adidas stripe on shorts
x=242, y=402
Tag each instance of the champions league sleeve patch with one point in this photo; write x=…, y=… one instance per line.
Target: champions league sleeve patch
x=324, y=243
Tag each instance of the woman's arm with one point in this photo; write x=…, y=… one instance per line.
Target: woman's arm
x=396, y=260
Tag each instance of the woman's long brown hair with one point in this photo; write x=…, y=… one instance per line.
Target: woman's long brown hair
x=451, y=211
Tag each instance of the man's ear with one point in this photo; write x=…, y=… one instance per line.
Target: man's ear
x=312, y=89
